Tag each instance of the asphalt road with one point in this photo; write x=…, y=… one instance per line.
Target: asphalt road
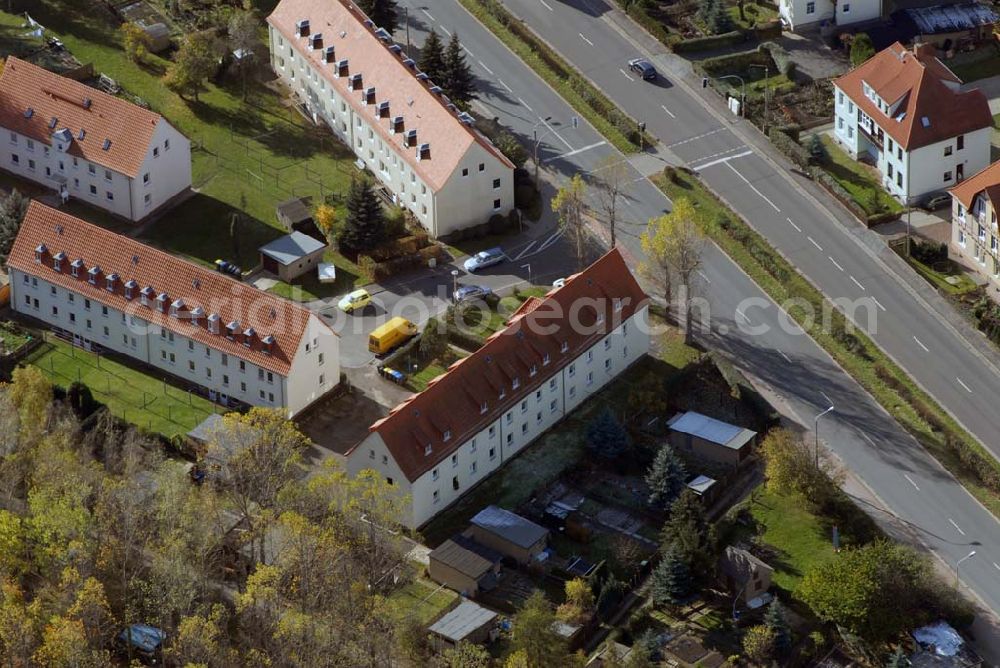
x=906, y=479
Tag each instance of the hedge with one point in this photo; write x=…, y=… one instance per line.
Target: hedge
x=791, y=148
x=734, y=62
x=782, y=59
x=637, y=11
x=710, y=42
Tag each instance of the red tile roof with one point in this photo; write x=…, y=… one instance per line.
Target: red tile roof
x=920, y=82
x=987, y=180
x=342, y=26
x=561, y=325
x=76, y=106
x=130, y=260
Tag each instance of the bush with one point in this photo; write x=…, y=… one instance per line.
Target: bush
x=711, y=42
x=799, y=155
x=638, y=10
x=782, y=59
x=464, y=340
x=497, y=223
x=928, y=252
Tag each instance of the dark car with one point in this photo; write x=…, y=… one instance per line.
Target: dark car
x=468, y=292
x=643, y=68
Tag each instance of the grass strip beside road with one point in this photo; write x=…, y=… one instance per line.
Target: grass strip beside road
x=572, y=86
x=958, y=451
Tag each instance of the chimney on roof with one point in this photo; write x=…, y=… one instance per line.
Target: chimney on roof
x=87, y=102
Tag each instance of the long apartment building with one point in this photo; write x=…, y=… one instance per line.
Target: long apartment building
x=974, y=234
x=554, y=353
x=89, y=145
x=905, y=112
x=349, y=74
x=105, y=291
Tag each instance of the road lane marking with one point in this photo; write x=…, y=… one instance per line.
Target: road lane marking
x=577, y=151
x=911, y=482
x=719, y=161
x=483, y=65
x=626, y=74
x=446, y=31
x=752, y=187
x=787, y=358
x=546, y=5
x=743, y=315
x=926, y=349
x=835, y=263
x=526, y=249
x=797, y=228
x=868, y=438
x=585, y=39
x=967, y=389
x=553, y=131
x=551, y=240
x=813, y=242
x=856, y=283
x=878, y=303
x=668, y=111
x=956, y=526
x=704, y=277
x=827, y=397
x=696, y=137
x=428, y=14
x=466, y=49
x=509, y=89
x=525, y=105
x=996, y=566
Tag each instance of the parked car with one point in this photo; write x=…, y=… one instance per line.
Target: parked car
x=935, y=202
x=484, y=259
x=559, y=282
x=469, y=292
x=354, y=301
x=142, y=641
x=390, y=335
x=643, y=68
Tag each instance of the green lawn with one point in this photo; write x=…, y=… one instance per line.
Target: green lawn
x=13, y=336
x=668, y=345
x=427, y=371
x=858, y=180
x=307, y=288
x=143, y=400
x=938, y=278
x=988, y=66
x=755, y=14
x=248, y=156
x=423, y=599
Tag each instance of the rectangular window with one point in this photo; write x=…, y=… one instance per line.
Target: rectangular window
x=496, y=205
x=947, y=177
x=960, y=142
x=496, y=184
x=810, y=8
x=947, y=151
x=493, y=454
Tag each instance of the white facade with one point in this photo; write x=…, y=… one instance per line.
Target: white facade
x=908, y=175
x=485, y=452
x=800, y=14
x=479, y=187
x=976, y=240
x=314, y=370
x=165, y=172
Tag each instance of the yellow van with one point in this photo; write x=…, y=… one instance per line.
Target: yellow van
x=393, y=333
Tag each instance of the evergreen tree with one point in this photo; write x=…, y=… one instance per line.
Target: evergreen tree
x=671, y=582
x=458, y=82
x=606, y=437
x=713, y=16
x=817, y=150
x=12, y=211
x=364, y=227
x=776, y=620
x=861, y=48
x=384, y=13
x=665, y=477
x=431, y=60
x=898, y=659
x=649, y=641
x=689, y=532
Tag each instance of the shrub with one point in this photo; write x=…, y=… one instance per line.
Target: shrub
x=817, y=149
x=782, y=59
x=928, y=252
x=861, y=48
x=790, y=148
x=711, y=42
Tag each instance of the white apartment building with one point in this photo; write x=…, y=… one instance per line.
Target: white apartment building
x=108, y=292
x=350, y=75
x=975, y=239
x=797, y=15
x=86, y=144
x=554, y=354
x=905, y=113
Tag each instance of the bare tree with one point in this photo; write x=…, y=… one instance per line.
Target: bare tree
x=612, y=179
x=570, y=206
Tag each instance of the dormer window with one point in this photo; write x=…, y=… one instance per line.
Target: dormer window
x=356, y=82
x=545, y=359
x=370, y=95
x=564, y=347
x=161, y=302
x=534, y=370
x=302, y=28
x=424, y=152
x=329, y=54
x=503, y=393
x=516, y=383
x=57, y=260
x=618, y=304
x=248, y=336
x=482, y=408
x=176, y=307
x=428, y=450
x=145, y=295
x=196, y=313
x=447, y=435
x=109, y=282
x=342, y=68
x=316, y=41
x=75, y=267
x=231, y=330
x=92, y=275
x=40, y=250
x=267, y=344
x=130, y=287
x=213, y=323
x=410, y=139
x=383, y=110
x=397, y=125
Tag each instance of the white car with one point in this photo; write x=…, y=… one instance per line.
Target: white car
x=559, y=282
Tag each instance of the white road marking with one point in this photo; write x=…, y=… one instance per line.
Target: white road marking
x=797, y=228
x=878, y=303
x=911, y=482
x=743, y=315
x=996, y=566
x=577, y=151
x=716, y=155
x=926, y=350
x=554, y=237
x=704, y=277
x=827, y=397
x=813, y=242
x=546, y=5
x=585, y=39
x=466, y=49
x=835, y=263
x=446, y=31
x=719, y=161
x=856, y=283
x=967, y=389
x=752, y=187
x=525, y=105
x=956, y=526
x=787, y=358
x=553, y=131
x=696, y=137
x=626, y=74
x=509, y=89
x=526, y=249
x=868, y=438
x=668, y=111
x=428, y=14
x=483, y=65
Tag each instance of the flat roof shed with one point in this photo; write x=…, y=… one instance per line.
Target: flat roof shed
x=711, y=430
x=464, y=623
x=509, y=526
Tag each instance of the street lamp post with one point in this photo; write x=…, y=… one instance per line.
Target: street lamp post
x=537, y=141
x=970, y=555
x=528, y=267
x=816, y=431
x=743, y=91
x=454, y=283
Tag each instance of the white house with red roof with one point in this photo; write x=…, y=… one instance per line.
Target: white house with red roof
x=797, y=15
x=974, y=234
x=905, y=113
x=554, y=354
x=105, y=291
x=350, y=75
x=87, y=144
